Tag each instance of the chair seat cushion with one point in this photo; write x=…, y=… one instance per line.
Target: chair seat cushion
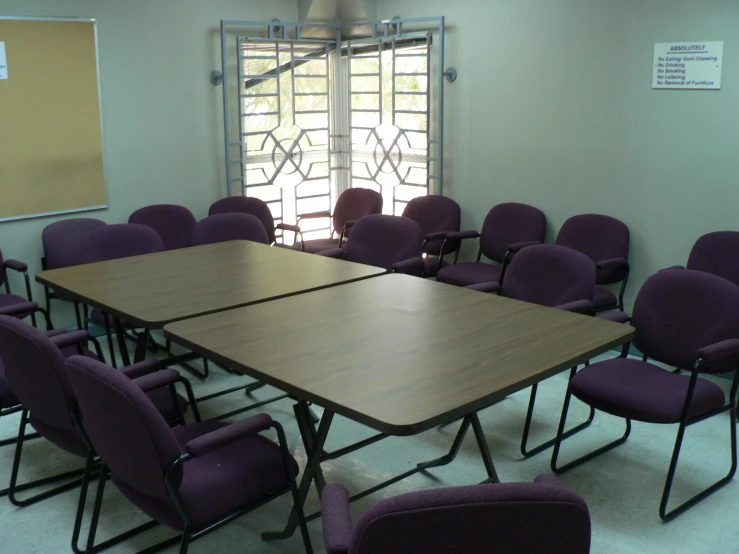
x=603, y=299
x=316, y=245
x=642, y=391
x=469, y=273
x=11, y=300
x=97, y=316
x=7, y=396
x=431, y=266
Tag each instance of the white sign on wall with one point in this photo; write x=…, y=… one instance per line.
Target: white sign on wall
x=687, y=65
x=3, y=62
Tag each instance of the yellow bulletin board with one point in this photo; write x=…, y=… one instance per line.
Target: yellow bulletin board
x=51, y=147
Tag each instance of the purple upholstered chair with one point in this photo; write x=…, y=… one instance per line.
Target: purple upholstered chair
x=605, y=240
x=506, y=518
x=507, y=229
x=174, y=224
x=256, y=207
x=685, y=319
x=716, y=253
x=34, y=367
x=229, y=226
x=20, y=307
x=437, y=216
x=112, y=242
x=388, y=241
x=352, y=204
x=553, y=276
x=192, y=478
x=61, y=242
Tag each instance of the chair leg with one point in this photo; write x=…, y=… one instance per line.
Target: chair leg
x=586, y=457
x=15, y=488
x=525, y=451
x=663, y=513
x=96, y=509
x=81, y=503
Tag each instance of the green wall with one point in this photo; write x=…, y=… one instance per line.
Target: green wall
x=554, y=107
x=163, y=119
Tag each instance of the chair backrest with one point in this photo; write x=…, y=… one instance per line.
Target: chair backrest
x=383, y=240
x=126, y=429
x=355, y=203
x=173, y=223
x=34, y=367
x=62, y=240
x=678, y=311
x=247, y=205
x=229, y=226
x=503, y=517
x=435, y=214
x=600, y=237
x=510, y=223
x=549, y=275
x=717, y=253
x=120, y=240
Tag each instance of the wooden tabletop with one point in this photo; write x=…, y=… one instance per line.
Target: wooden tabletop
x=156, y=289
x=399, y=353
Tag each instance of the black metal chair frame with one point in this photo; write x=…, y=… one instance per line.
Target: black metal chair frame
x=685, y=421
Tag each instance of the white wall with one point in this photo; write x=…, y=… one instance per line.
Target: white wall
x=554, y=107
x=162, y=117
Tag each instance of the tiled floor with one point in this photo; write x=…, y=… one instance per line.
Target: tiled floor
x=622, y=487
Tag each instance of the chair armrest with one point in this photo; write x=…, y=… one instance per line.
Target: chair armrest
x=516, y=246
x=71, y=338
x=612, y=264
x=16, y=265
x=315, y=215
x=19, y=309
x=577, y=307
x=332, y=253
x=616, y=317
x=461, y=235
x=55, y=332
x=547, y=479
x=337, y=519
x=672, y=267
x=226, y=435
x=722, y=350
x=134, y=371
x=157, y=380
x=288, y=227
x=438, y=235
x=411, y=266
x=490, y=286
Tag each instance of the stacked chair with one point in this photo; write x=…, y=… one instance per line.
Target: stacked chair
x=259, y=209
x=174, y=224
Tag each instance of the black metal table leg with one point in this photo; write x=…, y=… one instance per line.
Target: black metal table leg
x=142, y=342
x=314, y=458
x=121, y=336
x=482, y=444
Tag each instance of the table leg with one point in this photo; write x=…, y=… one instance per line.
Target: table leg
x=314, y=459
x=304, y=417
x=142, y=341
x=120, y=335
x=482, y=444
x=449, y=457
